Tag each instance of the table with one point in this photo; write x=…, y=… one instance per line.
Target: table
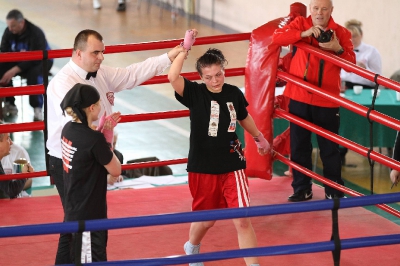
x=355, y=127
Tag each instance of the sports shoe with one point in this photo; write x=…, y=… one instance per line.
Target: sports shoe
x=192, y=249
x=121, y=7
x=37, y=114
x=96, y=4
x=339, y=195
x=287, y=173
x=302, y=195
x=23, y=194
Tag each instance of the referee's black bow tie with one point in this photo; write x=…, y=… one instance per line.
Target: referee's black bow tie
x=91, y=74
x=356, y=50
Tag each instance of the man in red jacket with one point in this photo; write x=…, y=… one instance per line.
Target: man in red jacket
x=311, y=107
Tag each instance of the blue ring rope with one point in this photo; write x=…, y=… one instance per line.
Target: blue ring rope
x=186, y=217
x=263, y=251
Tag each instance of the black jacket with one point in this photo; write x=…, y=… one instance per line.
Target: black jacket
x=31, y=39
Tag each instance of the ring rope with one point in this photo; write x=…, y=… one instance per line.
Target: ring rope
x=186, y=217
x=332, y=184
x=338, y=139
x=222, y=214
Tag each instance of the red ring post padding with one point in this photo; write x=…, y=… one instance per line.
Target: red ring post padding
x=260, y=80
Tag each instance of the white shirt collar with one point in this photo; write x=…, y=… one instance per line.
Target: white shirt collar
x=78, y=70
x=359, y=47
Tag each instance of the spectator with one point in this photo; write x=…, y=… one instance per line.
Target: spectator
x=367, y=57
x=310, y=107
x=87, y=159
x=85, y=67
x=395, y=76
x=394, y=174
x=216, y=160
x=19, y=36
x=121, y=5
x=17, y=152
x=10, y=188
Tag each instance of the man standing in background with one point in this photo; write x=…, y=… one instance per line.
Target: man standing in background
x=318, y=30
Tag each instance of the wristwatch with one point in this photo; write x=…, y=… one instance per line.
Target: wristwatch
x=341, y=51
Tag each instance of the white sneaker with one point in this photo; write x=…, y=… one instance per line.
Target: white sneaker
x=23, y=194
x=192, y=249
x=96, y=4
x=37, y=114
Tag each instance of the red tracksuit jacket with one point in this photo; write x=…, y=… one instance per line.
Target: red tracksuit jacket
x=326, y=77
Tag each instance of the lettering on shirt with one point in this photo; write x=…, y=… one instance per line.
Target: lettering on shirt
x=68, y=152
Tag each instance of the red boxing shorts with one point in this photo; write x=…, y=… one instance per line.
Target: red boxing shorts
x=209, y=191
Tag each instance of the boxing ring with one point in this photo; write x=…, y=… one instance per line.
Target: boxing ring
x=263, y=68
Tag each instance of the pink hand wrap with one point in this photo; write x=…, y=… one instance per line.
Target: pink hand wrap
x=101, y=122
x=189, y=40
x=261, y=142
x=108, y=133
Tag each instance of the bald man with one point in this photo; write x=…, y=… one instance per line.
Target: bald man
x=321, y=31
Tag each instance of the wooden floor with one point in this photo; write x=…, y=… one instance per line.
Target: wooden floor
x=62, y=20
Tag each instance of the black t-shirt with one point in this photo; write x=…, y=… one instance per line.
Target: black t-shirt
x=120, y=157
x=214, y=145
x=84, y=154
